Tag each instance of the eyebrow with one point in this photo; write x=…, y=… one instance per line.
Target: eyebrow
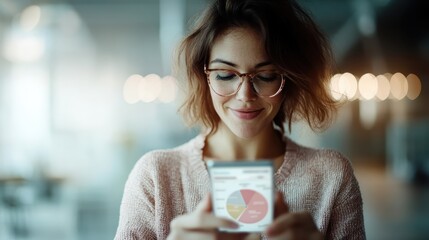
x=217, y=60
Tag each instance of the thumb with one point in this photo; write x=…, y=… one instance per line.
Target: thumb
x=206, y=204
x=281, y=206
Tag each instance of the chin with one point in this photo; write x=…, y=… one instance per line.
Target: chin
x=245, y=133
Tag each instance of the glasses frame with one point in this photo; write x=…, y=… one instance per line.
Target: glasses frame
x=250, y=76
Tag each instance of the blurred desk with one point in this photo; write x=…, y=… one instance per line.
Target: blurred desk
x=9, y=185
x=49, y=186
x=12, y=198
x=12, y=180
x=18, y=194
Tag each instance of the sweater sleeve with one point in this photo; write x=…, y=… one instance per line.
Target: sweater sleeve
x=137, y=210
x=346, y=221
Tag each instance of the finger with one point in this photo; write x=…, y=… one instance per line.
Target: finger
x=280, y=205
x=205, y=205
x=294, y=221
x=316, y=236
x=234, y=236
x=298, y=234
x=202, y=222
x=252, y=236
x=192, y=235
x=291, y=235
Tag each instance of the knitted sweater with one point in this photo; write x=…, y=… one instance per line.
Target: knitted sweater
x=167, y=183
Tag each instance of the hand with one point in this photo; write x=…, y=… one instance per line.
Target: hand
x=291, y=226
x=202, y=224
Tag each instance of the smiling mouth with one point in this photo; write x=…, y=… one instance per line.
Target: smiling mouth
x=246, y=114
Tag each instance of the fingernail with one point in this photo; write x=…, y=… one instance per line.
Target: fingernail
x=233, y=225
x=268, y=231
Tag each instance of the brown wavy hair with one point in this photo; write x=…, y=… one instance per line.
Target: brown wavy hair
x=294, y=44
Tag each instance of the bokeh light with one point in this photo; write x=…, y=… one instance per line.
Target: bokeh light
x=383, y=87
x=19, y=47
x=131, y=89
x=414, y=86
x=398, y=86
x=347, y=85
x=30, y=17
x=334, y=88
x=149, y=87
x=368, y=86
x=168, y=89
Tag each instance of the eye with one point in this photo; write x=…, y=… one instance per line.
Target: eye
x=267, y=76
x=223, y=75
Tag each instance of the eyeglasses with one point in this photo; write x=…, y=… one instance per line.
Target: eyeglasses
x=226, y=82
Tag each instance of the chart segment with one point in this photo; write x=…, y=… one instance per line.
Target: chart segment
x=247, y=206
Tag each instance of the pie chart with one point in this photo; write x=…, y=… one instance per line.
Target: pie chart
x=247, y=206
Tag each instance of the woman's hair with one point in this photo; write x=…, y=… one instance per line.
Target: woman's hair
x=293, y=43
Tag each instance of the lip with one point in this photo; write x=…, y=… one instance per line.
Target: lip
x=246, y=114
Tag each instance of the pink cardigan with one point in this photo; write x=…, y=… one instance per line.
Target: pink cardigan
x=167, y=183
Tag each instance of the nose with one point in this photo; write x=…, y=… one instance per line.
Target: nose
x=246, y=92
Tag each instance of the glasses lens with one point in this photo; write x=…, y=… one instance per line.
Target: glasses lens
x=267, y=83
x=224, y=82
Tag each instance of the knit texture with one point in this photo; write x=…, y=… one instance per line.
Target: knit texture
x=167, y=183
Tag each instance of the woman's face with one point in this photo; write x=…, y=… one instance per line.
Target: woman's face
x=245, y=113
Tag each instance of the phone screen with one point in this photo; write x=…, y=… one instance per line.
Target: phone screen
x=243, y=192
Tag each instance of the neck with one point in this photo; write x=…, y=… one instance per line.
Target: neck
x=225, y=145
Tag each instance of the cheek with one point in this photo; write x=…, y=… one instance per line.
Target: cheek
x=217, y=99
x=276, y=103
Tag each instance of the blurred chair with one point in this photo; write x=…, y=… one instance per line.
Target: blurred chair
x=408, y=150
x=16, y=193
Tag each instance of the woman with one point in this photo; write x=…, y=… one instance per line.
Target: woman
x=251, y=67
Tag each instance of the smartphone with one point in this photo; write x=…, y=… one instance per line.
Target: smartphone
x=243, y=191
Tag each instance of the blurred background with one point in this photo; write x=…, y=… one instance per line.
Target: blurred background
x=86, y=88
